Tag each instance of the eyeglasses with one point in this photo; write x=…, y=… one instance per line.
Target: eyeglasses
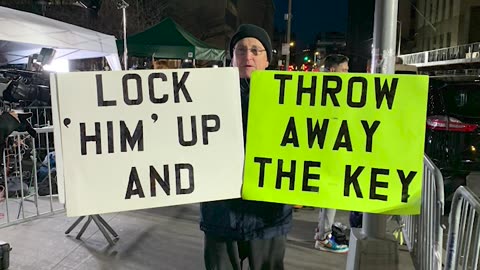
x=243, y=51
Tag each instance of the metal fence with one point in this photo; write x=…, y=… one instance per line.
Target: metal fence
x=463, y=245
x=424, y=233
x=28, y=177
x=41, y=116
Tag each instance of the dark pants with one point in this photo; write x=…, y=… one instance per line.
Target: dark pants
x=221, y=254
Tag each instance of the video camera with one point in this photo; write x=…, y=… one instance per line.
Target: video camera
x=25, y=87
x=30, y=85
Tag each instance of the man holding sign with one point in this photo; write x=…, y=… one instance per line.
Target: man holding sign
x=336, y=140
x=236, y=230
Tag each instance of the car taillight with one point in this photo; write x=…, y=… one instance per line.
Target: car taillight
x=449, y=123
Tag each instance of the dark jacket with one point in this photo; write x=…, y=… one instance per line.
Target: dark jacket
x=7, y=124
x=238, y=219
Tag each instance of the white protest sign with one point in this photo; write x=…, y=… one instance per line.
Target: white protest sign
x=139, y=139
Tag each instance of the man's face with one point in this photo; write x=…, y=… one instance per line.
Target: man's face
x=342, y=67
x=249, y=55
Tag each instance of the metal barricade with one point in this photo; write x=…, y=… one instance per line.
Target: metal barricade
x=41, y=116
x=424, y=233
x=28, y=176
x=463, y=244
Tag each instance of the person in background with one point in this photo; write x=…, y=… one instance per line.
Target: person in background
x=323, y=233
x=238, y=230
x=160, y=64
x=336, y=63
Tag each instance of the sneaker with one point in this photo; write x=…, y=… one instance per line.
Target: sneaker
x=329, y=245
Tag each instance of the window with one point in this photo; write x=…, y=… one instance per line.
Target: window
x=445, y=9
x=462, y=100
x=434, y=41
x=440, y=44
x=437, y=12
x=451, y=9
x=427, y=44
x=449, y=39
x=431, y=11
x=435, y=102
x=424, y=9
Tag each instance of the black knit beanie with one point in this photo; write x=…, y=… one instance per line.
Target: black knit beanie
x=250, y=30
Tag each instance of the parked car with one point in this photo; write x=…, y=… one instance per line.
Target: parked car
x=452, y=138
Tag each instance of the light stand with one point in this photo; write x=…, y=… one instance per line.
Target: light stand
x=121, y=4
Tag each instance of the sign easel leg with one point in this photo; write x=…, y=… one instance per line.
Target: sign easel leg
x=102, y=225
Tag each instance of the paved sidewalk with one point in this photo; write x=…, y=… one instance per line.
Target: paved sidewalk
x=162, y=238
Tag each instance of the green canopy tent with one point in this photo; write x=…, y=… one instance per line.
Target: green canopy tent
x=168, y=40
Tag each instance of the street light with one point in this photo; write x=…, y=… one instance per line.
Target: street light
x=121, y=4
x=399, y=37
x=292, y=44
x=288, y=18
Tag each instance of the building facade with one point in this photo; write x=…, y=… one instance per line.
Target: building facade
x=446, y=23
x=406, y=26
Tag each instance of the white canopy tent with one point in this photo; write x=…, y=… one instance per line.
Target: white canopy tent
x=23, y=34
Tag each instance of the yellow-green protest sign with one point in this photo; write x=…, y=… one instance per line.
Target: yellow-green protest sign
x=344, y=141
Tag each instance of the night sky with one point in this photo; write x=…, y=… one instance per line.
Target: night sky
x=310, y=17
